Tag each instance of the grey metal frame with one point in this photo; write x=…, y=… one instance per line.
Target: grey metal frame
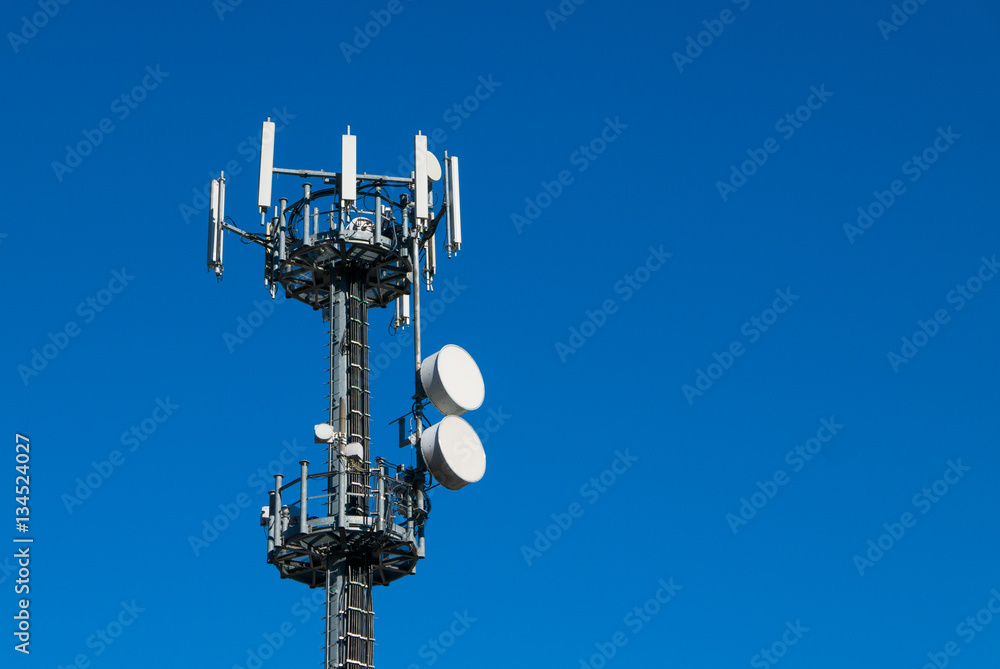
x=341, y=263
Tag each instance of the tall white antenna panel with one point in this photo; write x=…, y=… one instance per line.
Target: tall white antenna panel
x=420, y=175
x=349, y=167
x=452, y=381
x=454, y=204
x=221, y=214
x=266, y=165
x=453, y=453
x=213, y=226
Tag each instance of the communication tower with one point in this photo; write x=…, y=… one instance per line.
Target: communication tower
x=348, y=243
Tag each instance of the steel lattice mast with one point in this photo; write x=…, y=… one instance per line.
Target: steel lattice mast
x=360, y=522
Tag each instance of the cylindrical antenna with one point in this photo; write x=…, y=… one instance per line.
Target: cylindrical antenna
x=447, y=206
x=378, y=216
x=431, y=262
x=305, y=224
x=303, y=496
x=283, y=204
x=278, y=529
x=306, y=212
x=271, y=522
x=415, y=290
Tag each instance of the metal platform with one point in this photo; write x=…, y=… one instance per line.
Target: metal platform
x=386, y=539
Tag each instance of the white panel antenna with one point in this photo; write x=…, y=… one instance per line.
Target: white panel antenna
x=216, y=216
x=454, y=205
x=348, y=167
x=420, y=176
x=222, y=216
x=266, y=165
x=213, y=227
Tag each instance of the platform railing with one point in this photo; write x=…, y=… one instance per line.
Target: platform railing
x=394, y=505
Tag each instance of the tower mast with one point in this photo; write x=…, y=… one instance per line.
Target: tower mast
x=350, y=243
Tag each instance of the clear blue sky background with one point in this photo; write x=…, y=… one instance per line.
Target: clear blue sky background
x=131, y=206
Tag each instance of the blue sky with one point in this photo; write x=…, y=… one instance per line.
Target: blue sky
x=702, y=243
